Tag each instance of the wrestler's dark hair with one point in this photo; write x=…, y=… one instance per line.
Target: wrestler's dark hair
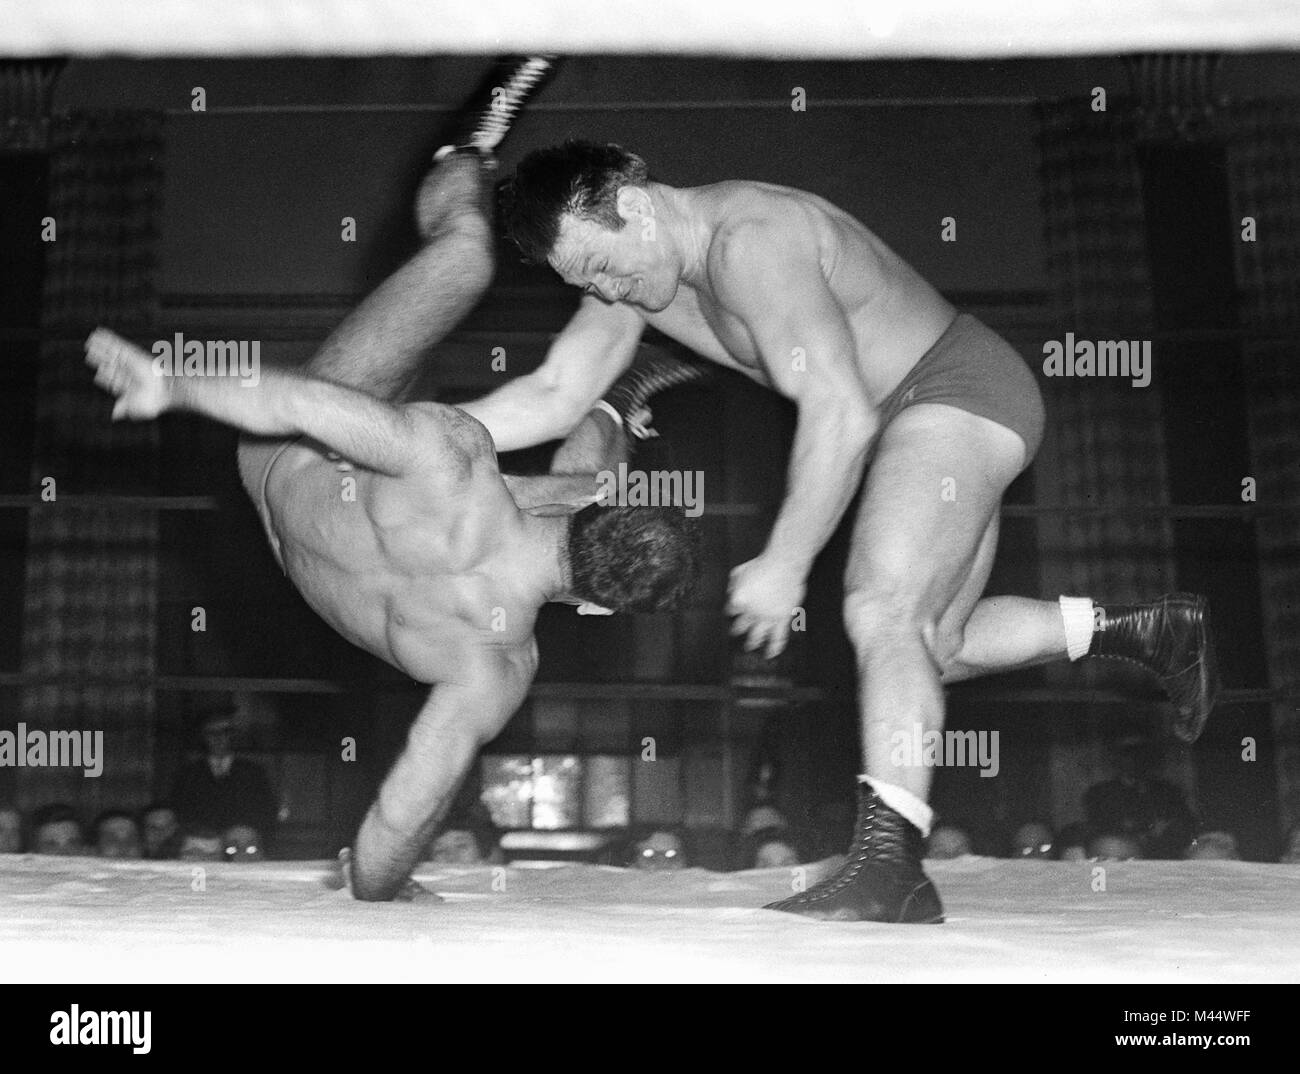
x=579, y=178
x=633, y=559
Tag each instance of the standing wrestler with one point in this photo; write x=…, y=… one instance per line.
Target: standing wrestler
x=436, y=562
x=799, y=296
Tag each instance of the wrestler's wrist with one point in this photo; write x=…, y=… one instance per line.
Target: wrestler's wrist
x=176, y=394
x=791, y=562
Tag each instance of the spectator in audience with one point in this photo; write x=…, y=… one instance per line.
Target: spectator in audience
x=1137, y=802
x=11, y=830
x=202, y=844
x=162, y=832
x=116, y=835
x=1114, y=846
x=222, y=789
x=1214, y=845
x=241, y=843
x=762, y=817
x=1170, y=821
x=1033, y=840
x=948, y=841
x=456, y=845
x=1072, y=843
x=468, y=838
x=58, y=831
x=1291, y=846
x=773, y=848
x=660, y=849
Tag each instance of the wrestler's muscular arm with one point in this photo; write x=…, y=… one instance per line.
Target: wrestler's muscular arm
x=363, y=429
x=771, y=279
x=596, y=346
x=455, y=723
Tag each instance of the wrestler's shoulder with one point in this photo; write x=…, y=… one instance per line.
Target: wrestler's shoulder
x=744, y=202
x=446, y=428
x=747, y=247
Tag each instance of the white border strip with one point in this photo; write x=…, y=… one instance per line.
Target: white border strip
x=770, y=28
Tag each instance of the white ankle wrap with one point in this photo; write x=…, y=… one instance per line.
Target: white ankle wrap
x=1077, y=615
x=903, y=802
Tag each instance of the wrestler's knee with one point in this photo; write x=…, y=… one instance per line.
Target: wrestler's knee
x=454, y=216
x=945, y=642
x=878, y=616
x=879, y=613
x=466, y=239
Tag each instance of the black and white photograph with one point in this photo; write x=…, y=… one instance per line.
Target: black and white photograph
x=670, y=493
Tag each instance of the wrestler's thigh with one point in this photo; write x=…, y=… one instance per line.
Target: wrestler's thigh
x=932, y=491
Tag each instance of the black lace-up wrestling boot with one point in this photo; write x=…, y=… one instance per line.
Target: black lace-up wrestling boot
x=1172, y=637
x=882, y=879
x=495, y=107
x=648, y=375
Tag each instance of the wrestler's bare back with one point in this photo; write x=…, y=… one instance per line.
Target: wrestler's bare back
x=895, y=316
x=421, y=571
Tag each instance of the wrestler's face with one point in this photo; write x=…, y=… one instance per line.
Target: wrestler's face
x=631, y=265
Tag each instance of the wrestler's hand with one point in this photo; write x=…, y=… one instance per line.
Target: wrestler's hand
x=764, y=594
x=127, y=371
x=412, y=890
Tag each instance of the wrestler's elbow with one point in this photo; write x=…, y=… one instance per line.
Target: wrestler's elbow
x=569, y=405
x=522, y=414
x=552, y=409
x=852, y=421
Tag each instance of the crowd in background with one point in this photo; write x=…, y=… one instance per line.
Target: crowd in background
x=222, y=808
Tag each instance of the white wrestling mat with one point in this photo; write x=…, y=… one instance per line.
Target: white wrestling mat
x=85, y=920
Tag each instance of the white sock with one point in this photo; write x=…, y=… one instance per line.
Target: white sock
x=903, y=802
x=1078, y=616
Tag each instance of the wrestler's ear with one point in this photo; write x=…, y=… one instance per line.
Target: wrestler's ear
x=634, y=203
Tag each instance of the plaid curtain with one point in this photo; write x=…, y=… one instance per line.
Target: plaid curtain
x=1263, y=148
x=1104, y=442
x=91, y=585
